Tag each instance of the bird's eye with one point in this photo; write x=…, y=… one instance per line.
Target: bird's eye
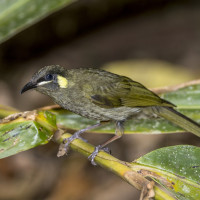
x=49, y=77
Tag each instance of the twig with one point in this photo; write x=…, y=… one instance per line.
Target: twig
x=175, y=87
x=118, y=167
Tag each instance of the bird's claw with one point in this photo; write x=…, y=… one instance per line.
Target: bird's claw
x=107, y=150
x=96, y=151
x=67, y=141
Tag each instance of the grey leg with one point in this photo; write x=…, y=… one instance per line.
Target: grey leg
x=77, y=134
x=118, y=133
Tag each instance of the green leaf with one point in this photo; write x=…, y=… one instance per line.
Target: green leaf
x=72, y=121
x=16, y=15
x=23, y=131
x=177, y=168
x=187, y=100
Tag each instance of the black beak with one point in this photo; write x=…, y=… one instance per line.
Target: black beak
x=28, y=86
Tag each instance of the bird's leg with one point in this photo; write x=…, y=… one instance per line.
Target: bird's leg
x=118, y=133
x=77, y=134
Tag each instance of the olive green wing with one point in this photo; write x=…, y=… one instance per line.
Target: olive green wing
x=139, y=95
x=106, y=96
x=126, y=92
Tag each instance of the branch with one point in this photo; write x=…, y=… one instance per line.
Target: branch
x=175, y=87
x=118, y=167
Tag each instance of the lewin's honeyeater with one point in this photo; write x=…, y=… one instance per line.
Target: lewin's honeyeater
x=103, y=96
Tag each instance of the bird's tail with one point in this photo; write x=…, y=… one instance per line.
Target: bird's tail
x=178, y=119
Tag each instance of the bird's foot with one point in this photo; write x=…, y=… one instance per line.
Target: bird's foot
x=67, y=141
x=96, y=151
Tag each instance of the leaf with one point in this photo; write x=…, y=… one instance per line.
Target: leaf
x=72, y=121
x=187, y=100
x=177, y=168
x=23, y=131
x=16, y=15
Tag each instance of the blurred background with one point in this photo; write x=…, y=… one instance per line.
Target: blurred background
x=156, y=42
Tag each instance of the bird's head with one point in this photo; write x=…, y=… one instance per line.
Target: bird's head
x=48, y=79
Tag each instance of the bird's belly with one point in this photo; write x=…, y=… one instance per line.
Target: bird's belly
x=107, y=114
x=120, y=113
x=93, y=111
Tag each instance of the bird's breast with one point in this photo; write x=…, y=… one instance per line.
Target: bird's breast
x=79, y=104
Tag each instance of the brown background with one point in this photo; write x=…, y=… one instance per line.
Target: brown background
x=93, y=34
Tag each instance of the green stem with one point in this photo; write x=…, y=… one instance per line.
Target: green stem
x=118, y=167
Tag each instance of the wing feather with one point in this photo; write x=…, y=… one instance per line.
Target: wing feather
x=123, y=91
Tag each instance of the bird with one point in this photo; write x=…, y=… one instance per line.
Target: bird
x=103, y=96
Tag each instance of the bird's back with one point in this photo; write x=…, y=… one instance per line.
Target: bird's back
x=112, y=90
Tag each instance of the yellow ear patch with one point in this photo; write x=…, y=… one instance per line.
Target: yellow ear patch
x=62, y=81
